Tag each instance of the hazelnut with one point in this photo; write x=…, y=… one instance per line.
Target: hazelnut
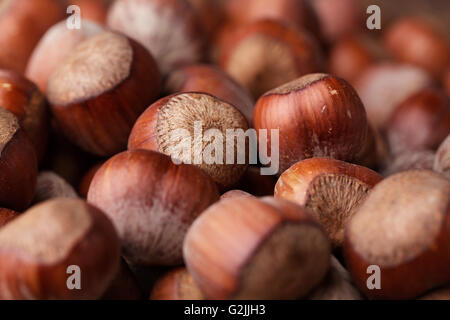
x=56, y=44
x=210, y=15
x=385, y=85
x=106, y=70
x=18, y=164
x=152, y=202
x=420, y=122
x=403, y=228
x=337, y=285
x=169, y=29
x=29, y=105
x=37, y=248
x=332, y=190
x=212, y=80
x=201, y=116
x=442, y=160
x=338, y=18
x=278, y=54
x=412, y=40
x=23, y=23
x=85, y=183
x=296, y=13
x=176, y=284
x=318, y=115
x=352, y=54
x=248, y=248
x=7, y=215
x=50, y=185
x=409, y=160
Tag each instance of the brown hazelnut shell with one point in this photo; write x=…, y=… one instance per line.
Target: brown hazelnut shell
x=146, y=189
x=38, y=247
x=78, y=101
x=403, y=227
x=318, y=115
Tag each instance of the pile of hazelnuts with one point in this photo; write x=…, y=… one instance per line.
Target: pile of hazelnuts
x=359, y=207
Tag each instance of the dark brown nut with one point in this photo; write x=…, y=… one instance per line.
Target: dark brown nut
x=18, y=164
x=50, y=185
x=332, y=190
x=124, y=286
x=212, y=80
x=23, y=23
x=338, y=18
x=176, y=284
x=403, y=228
x=409, y=160
x=211, y=15
x=56, y=44
x=412, y=40
x=353, y=54
x=37, y=249
x=296, y=13
x=421, y=122
x=152, y=202
x=198, y=115
x=248, y=248
x=442, y=160
x=7, y=216
x=318, y=115
x=169, y=29
x=266, y=54
x=105, y=70
x=337, y=285
x=382, y=87
x=29, y=105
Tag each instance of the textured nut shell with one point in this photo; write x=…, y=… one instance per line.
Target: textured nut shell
x=152, y=202
x=212, y=80
x=246, y=248
x=100, y=90
x=57, y=43
x=29, y=105
x=278, y=54
x=18, y=165
x=403, y=227
x=317, y=115
x=163, y=127
x=169, y=29
x=37, y=248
